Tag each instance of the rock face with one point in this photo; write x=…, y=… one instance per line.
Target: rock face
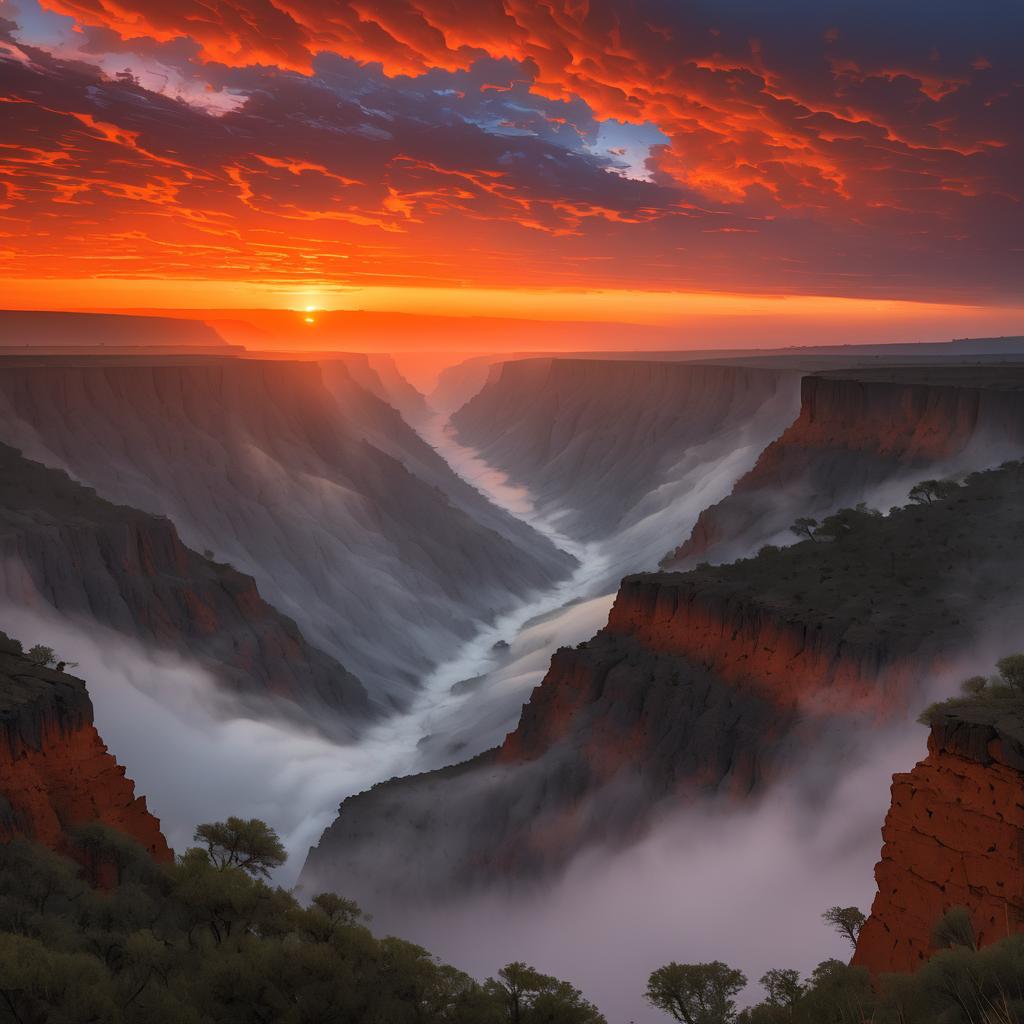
x=703, y=685
x=952, y=837
x=128, y=570
x=257, y=462
x=864, y=435
x=369, y=415
x=55, y=772
x=595, y=439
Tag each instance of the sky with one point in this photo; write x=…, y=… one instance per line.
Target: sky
x=640, y=160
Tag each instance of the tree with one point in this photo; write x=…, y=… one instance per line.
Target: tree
x=974, y=686
x=804, y=526
x=529, y=997
x=782, y=987
x=847, y=521
x=838, y=994
x=251, y=845
x=696, y=993
x=38, y=984
x=561, y=1003
x=42, y=655
x=848, y=921
x=518, y=981
x=928, y=491
x=1011, y=668
x=108, y=850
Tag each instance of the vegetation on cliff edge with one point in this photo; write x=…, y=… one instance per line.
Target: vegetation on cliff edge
x=207, y=939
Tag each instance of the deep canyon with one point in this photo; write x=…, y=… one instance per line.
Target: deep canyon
x=283, y=591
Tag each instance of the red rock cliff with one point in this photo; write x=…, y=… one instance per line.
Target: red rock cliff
x=855, y=433
x=55, y=771
x=954, y=836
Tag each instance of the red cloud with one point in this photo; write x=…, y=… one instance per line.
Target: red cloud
x=865, y=159
x=740, y=127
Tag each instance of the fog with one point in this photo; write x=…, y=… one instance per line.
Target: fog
x=745, y=885
x=497, y=683
x=745, y=888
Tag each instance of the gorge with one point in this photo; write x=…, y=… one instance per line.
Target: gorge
x=700, y=703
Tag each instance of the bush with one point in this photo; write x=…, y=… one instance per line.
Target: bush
x=42, y=655
x=208, y=939
x=1007, y=685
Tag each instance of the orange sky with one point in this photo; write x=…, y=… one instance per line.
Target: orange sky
x=849, y=171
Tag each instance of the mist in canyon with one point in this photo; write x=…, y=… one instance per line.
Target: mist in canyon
x=742, y=880
x=744, y=884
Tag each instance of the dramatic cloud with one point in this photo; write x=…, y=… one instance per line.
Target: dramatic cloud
x=623, y=143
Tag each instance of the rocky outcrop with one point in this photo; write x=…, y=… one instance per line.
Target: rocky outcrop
x=111, y=565
x=864, y=435
x=952, y=837
x=255, y=461
x=703, y=685
x=594, y=440
x=55, y=772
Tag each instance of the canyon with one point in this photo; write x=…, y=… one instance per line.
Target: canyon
x=715, y=684
x=377, y=601
x=55, y=771
x=257, y=463
x=601, y=442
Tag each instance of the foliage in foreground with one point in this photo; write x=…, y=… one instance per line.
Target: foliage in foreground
x=959, y=985
x=207, y=939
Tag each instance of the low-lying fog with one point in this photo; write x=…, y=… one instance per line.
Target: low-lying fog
x=747, y=888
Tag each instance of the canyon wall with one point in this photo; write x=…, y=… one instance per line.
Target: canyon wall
x=55, y=772
x=117, y=567
x=706, y=685
x=367, y=414
x=864, y=435
x=598, y=441
x=255, y=461
x=954, y=836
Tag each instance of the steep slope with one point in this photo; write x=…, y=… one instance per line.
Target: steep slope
x=254, y=461
x=396, y=390
x=55, y=772
x=863, y=435
x=118, y=567
x=595, y=439
x=952, y=838
x=370, y=416
x=703, y=684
